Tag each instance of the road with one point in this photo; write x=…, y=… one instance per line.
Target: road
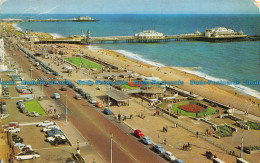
x=94, y=126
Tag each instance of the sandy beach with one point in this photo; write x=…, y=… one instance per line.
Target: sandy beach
x=223, y=94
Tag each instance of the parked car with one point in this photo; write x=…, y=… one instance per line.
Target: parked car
x=178, y=161
x=19, y=145
x=12, y=129
x=33, y=114
x=108, y=111
x=20, y=102
x=146, y=140
x=78, y=97
x=158, y=149
x=63, y=88
x=138, y=133
x=168, y=156
x=28, y=99
x=27, y=155
x=59, y=140
x=24, y=110
x=39, y=67
x=45, y=123
x=92, y=101
x=49, y=128
x=53, y=138
x=87, y=96
x=56, y=96
x=54, y=132
x=3, y=116
x=99, y=105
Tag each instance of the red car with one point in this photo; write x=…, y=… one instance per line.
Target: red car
x=138, y=133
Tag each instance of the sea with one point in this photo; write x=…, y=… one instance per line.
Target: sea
x=226, y=61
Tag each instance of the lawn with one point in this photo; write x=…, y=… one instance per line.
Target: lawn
x=254, y=126
x=83, y=62
x=34, y=106
x=175, y=108
x=223, y=131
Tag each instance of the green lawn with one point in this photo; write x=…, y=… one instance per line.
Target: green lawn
x=175, y=108
x=129, y=87
x=34, y=106
x=223, y=131
x=254, y=126
x=83, y=62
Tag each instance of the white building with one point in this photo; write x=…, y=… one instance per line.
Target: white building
x=221, y=32
x=149, y=34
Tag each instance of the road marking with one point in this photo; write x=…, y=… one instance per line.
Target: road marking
x=29, y=124
x=49, y=148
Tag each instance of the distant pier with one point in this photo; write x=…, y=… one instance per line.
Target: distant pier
x=77, y=19
x=217, y=34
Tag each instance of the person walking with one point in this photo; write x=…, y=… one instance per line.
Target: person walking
x=164, y=141
x=197, y=133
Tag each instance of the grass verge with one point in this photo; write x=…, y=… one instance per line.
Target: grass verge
x=34, y=106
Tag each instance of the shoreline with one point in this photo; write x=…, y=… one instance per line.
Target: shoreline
x=242, y=89
x=223, y=94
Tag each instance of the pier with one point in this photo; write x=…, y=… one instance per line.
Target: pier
x=77, y=19
x=210, y=35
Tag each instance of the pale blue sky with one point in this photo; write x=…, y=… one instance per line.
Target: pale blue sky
x=131, y=6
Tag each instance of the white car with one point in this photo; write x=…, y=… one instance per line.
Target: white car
x=45, y=123
x=12, y=129
x=168, y=156
x=3, y=116
x=92, y=101
x=27, y=155
x=51, y=138
x=33, y=114
x=19, y=145
x=48, y=128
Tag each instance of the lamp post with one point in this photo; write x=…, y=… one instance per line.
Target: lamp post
x=66, y=108
x=111, y=147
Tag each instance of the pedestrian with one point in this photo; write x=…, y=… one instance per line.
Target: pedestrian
x=164, y=141
x=131, y=116
x=196, y=115
x=166, y=130
x=197, y=133
x=204, y=115
x=54, y=111
x=124, y=118
x=163, y=129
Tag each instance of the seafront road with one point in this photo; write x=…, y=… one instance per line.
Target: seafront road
x=94, y=126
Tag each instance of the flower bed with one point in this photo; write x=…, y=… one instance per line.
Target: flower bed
x=131, y=84
x=193, y=108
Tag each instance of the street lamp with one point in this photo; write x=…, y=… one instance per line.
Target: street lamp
x=66, y=108
x=111, y=147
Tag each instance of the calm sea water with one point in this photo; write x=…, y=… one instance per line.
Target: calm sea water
x=219, y=61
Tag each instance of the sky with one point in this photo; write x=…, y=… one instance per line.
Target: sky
x=130, y=6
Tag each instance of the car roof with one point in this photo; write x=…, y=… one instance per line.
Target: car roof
x=168, y=152
x=138, y=130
